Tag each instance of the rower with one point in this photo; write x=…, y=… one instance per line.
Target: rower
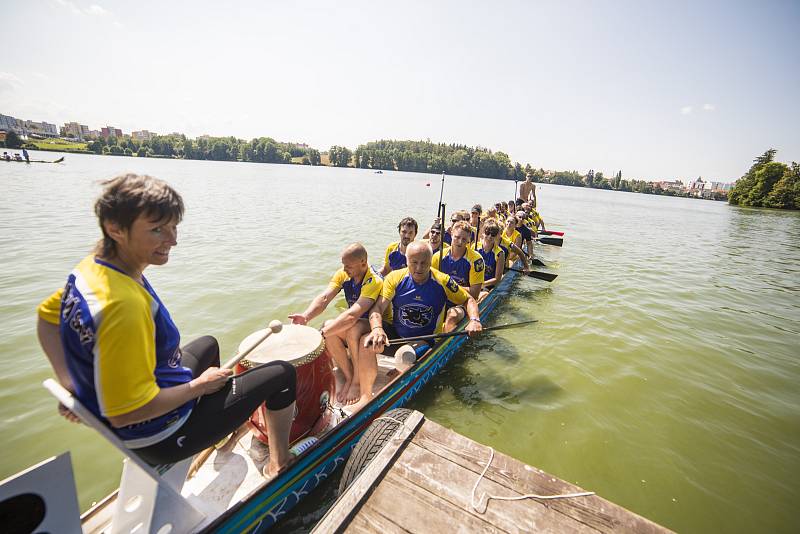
x=26, y=156
x=510, y=242
x=434, y=236
x=361, y=288
x=465, y=266
x=493, y=257
x=395, y=257
x=417, y=295
x=527, y=236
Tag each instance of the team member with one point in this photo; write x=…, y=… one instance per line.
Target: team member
x=465, y=266
x=416, y=296
x=361, y=288
x=527, y=190
x=510, y=233
x=395, y=257
x=509, y=247
x=112, y=342
x=527, y=235
x=493, y=257
x=434, y=237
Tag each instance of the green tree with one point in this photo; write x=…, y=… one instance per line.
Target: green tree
x=95, y=146
x=786, y=193
x=13, y=140
x=313, y=156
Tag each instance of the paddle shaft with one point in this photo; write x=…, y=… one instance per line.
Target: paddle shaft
x=439, y=208
x=459, y=332
x=441, y=229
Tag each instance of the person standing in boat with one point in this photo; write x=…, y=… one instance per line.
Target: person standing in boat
x=26, y=156
x=395, y=257
x=464, y=265
x=416, y=296
x=112, y=342
x=527, y=190
x=361, y=288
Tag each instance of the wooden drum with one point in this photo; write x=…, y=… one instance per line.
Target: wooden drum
x=303, y=347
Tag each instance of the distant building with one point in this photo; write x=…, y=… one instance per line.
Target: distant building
x=41, y=129
x=10, y=124
x=676, y=186
x=75, y=130
x=94, y=134
x=110, y=131
x=143, y=135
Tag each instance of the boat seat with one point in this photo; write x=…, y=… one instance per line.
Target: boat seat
x=149, y=496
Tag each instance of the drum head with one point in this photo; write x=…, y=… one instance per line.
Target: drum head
x=293, y=342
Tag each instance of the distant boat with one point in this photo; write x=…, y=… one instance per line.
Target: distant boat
x=378, y=172
x=12, y=160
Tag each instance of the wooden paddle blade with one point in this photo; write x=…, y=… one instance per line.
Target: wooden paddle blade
x=538, y=262
x=549, y=277
x=556, y=241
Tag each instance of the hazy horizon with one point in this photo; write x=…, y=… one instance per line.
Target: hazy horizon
x=660, y=91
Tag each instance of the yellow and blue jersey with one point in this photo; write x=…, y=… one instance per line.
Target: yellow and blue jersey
x=466, y=271
x=490, y=260
x=393, y=257
x=121, y=347
x=369, y=287
x=419, y=309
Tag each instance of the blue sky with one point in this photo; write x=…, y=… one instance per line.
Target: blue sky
x=660, y=90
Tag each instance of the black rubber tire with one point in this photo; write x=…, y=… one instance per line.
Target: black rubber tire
x=373, y=440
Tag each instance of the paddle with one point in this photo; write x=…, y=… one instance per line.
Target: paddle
x=459, y=332
x=538, y=262
x=551, y=232
x=439, y=208
x=549, y=277
x=555, y=241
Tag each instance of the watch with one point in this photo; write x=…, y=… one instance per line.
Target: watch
x=476, y=319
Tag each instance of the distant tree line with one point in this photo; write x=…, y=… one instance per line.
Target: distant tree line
x=261, y=150
x=768, y=184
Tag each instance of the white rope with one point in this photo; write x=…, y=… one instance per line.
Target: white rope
x=475, y=506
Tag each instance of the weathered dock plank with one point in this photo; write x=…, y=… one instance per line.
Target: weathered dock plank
x=422, y=480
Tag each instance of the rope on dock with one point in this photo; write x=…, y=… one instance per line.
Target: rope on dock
x=476, y=506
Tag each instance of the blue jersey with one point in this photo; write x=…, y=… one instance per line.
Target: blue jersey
x=418, y=309
x=393, y=257
x=121, y=348
x=369, y=287
x=490, y=259
x=466, y=271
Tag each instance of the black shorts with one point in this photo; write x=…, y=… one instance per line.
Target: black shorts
x=216, y=415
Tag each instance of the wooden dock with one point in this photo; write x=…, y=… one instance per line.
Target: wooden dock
x=422, y=481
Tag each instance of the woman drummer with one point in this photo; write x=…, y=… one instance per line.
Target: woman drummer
x=112, y=342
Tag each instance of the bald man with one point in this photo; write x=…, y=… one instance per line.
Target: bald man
x=361, y=288
x=416, y=296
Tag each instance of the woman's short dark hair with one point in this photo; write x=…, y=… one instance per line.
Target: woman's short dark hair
x=128, y=196
x=408, y=221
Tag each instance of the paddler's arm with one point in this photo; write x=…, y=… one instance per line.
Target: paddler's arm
x=347, y=318
x=316, y=307
x=50, y=340
x=377, y=336
x=474, y=325
x=524, y=257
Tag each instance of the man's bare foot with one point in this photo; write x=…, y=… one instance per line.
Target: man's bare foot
x=362, y=401
x=353, y=394
x=341, y=395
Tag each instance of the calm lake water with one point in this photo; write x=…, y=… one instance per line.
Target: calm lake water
x=663, y=372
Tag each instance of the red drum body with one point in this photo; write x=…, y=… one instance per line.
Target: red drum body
x=303, y=347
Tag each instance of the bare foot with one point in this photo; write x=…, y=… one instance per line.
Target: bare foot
x=273, y=468
x=341, y=394
x=362, y=401
x=353, y=394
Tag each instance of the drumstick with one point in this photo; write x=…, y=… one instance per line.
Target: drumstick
x=274, y=327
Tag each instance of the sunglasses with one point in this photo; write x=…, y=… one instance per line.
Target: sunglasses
x=492, y=233
x=435, y=232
